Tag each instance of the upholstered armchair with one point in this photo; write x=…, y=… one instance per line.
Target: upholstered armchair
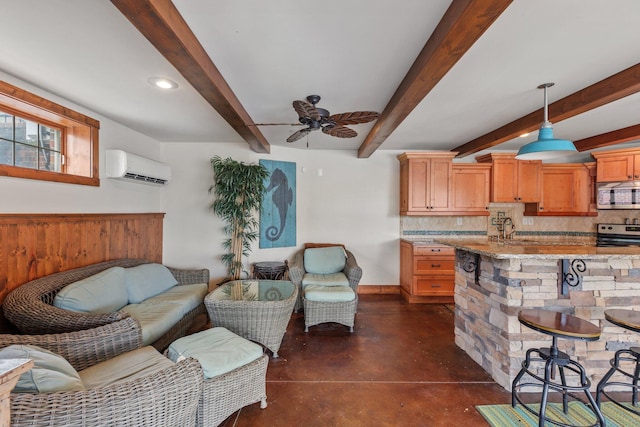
x=327, y=276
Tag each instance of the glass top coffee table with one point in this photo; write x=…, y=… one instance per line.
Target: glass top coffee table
x=258, y=310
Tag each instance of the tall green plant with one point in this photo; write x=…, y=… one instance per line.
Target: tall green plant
x=238, y=189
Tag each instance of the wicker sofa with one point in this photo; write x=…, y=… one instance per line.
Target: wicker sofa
x=165, y=396
x=30, y=307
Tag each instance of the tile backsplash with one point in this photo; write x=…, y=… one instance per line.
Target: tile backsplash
x=467, y=226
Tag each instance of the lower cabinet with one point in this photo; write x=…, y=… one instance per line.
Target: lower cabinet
x=427, y=272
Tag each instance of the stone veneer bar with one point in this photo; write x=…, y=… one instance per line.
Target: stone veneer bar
x=513, y=277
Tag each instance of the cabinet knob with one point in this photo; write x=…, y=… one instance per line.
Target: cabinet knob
x=435, y=250
x=541, y=208
x=436, y=265
x=629, y=176
x=636, y=176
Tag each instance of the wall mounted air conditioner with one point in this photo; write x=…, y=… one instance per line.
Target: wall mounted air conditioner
x=129, y=167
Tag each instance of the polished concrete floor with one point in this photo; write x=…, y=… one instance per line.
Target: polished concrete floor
x=400, y=367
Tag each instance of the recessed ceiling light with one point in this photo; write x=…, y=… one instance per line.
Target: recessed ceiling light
x=162, y=83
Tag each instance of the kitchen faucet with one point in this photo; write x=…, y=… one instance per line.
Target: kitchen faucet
x=503, y=228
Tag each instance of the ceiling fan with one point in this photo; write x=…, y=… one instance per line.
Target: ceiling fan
x=332, y=124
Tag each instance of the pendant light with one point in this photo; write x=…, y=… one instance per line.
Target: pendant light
x=546, y=147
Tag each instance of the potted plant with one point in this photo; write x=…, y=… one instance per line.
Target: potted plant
x=238, y=188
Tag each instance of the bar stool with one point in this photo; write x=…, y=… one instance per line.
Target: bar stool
x=627, y=319
x=558, y=325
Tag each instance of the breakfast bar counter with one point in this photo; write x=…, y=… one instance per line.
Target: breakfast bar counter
x=495, y=280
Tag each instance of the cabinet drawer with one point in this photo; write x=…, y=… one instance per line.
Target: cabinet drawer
x=434, y=250
x=433, y=285
x=432, y=264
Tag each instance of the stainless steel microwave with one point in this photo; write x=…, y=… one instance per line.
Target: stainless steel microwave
x=618, y=195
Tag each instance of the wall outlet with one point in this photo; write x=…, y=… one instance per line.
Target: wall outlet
x=458, y=221
x=527, y=220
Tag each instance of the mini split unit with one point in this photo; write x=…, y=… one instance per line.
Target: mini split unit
x=129, y=167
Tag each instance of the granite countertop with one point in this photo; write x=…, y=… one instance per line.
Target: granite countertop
x=541, y=249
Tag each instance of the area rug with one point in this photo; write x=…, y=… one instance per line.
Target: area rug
x=579, y=415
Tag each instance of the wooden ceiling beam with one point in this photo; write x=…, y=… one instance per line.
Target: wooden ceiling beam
x=607, y=139
x=161, y=23
x=460, y=27
x=612, y=88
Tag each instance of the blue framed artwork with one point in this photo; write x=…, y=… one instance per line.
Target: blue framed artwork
x=278, y=211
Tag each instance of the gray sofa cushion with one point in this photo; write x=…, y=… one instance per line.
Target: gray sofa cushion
x=155, y=318
x=50, y=373
x=128, y=366
x=147, y=280
x=104, y=292
x=217, y=349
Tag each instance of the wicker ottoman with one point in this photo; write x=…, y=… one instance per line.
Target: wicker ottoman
x=324, y=304
x=235, y=371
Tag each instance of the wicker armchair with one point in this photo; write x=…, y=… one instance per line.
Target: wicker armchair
x=321, y=312
x=167, y=398
x=30, y=306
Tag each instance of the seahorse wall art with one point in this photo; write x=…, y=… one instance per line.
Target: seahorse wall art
x=282, y=197
x=278, y=214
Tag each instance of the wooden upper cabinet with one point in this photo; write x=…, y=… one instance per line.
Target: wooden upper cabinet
x=470, y=189
x=425, y=180
x=513, y=180
x=617, y=165
x=567, y=190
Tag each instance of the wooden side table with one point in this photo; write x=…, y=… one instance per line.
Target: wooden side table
x=10, y=371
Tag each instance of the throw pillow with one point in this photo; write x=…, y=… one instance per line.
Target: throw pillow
x=324, y=260
x=148, y=280
x=104, y=292
x=50, y=372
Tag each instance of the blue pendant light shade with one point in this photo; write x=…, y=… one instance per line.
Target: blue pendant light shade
x=546, y=147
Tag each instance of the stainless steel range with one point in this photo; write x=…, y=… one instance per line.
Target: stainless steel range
x=618, y=235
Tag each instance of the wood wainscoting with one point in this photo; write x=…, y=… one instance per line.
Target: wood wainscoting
x=35, y=245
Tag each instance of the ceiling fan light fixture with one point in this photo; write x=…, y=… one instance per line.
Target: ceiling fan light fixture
x=546, y=146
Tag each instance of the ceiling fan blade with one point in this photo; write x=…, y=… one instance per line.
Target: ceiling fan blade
x=306, y=110
x=299, y=134
x=339, y=131
x=354, y=118
x=276, y=124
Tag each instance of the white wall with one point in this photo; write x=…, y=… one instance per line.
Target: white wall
x=354, y=202
x=19, y=195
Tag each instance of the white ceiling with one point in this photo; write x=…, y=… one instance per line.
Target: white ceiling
x=353, y=53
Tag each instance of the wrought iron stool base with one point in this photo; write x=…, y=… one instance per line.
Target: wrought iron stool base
x=631, y=355
x=563, y=326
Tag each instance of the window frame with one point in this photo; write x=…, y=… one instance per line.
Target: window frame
x=83, y=129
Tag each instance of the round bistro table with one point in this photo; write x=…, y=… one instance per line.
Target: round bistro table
x=258, y=310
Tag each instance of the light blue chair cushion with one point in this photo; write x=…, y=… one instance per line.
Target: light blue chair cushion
x=155, y=317
x=329, y=293
x=217, y=349
x=327, y=260
x=129, y=366
x=104, y=292
x=187, y=296
x=148, y=280
x=335, y=279
x=50, y=373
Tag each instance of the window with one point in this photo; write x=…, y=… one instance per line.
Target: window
x=42, y=140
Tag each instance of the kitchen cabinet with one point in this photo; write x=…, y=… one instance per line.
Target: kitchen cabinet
x=617, y=165
x=427, y=272
x=425, y=180
x=567, y=190
x=513, y=180
x=470, y=189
